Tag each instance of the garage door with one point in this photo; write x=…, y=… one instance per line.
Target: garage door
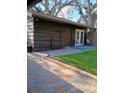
x=47, y=40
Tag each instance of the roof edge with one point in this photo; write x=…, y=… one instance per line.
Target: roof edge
x=57, y=19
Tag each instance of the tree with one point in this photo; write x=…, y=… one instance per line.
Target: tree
x=88, y=12
x=52, y=7
x=87, y=9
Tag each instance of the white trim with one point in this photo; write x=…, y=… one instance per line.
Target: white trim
x=79, y=30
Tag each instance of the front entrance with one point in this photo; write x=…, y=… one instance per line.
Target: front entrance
x=79, y=37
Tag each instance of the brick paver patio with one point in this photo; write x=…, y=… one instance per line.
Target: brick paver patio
x=45, y=76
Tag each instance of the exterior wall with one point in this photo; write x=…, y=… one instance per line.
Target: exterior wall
x=92, y=37
x=50, y=35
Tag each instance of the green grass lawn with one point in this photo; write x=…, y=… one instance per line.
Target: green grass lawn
x=84, y=60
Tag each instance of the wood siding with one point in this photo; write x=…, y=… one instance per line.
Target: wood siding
x=48, y=35
x=92, y=36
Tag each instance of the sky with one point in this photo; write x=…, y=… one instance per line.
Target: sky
x=74, y=16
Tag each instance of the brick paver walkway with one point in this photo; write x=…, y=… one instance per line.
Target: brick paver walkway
x=45, y=76
x=69, y=50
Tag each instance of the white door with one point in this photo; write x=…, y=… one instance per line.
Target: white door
x=79, y=37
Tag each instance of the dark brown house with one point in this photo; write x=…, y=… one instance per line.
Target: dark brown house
x=56, y=33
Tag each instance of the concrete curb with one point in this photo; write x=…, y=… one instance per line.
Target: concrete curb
x=74, y=69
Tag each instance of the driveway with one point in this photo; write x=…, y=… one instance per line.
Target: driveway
x=46, y=76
